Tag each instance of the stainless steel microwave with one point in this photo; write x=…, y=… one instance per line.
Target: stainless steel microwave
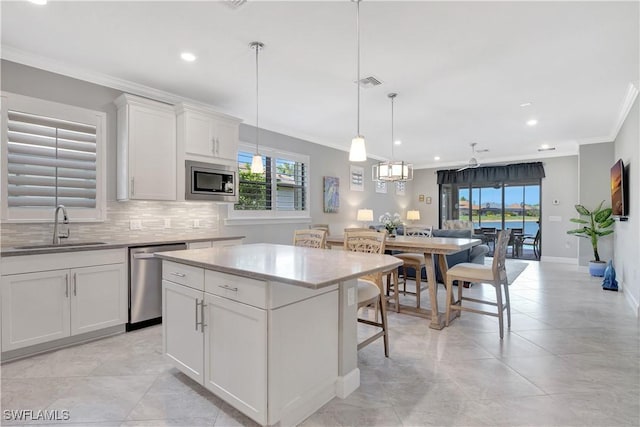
x=206, y=181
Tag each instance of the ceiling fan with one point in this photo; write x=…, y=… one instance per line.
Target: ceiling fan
x=473, y=162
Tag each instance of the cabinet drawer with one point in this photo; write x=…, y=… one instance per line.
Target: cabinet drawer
x=236, y=288
x=183, y=274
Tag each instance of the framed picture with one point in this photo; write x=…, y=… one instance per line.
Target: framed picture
x=421, y=198
x=429, y=200
x=331, y=185
x=356, y=182
x=381, y=187
x=400, y=188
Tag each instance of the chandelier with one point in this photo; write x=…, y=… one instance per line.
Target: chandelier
x=392, y=170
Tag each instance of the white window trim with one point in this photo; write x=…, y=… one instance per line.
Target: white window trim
x=11, y=101
x=241, y=217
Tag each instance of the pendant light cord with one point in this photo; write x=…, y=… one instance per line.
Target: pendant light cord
x=392, y=141
x=358, y=67
x=257, y=47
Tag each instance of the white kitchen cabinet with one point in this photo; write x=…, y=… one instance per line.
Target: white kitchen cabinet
x=207, y=136
x=266, y=348
x=235, y=354
x=47, y=297
x=35, y=308
x=181, y=328
x=146, y=149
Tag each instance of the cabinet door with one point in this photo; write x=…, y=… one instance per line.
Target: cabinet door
x=152, y=153
x=236, y=355
x=98, y=297
x=35, y=308
x=226, y=139
x=182, y=339
x=199, y=134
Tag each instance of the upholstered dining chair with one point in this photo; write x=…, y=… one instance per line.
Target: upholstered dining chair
x=495, y=274
x=310, y=238
x=415, y=261
x=370, y=286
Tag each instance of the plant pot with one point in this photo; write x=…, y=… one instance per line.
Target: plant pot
x=596, y=268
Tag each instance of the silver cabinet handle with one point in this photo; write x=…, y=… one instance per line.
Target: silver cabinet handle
x=75, y=284
x=229, y=288
x=217, y=146
x=133, y=186
x=66, y=287
x=202, y=325
x=175, y=273
x=197, y=303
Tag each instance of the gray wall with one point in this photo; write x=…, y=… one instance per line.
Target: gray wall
x=595, y=163
x=627, y=234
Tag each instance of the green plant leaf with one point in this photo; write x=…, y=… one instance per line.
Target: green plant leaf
x=604, y=233
x=582, y=210
x=602, y=215
x=580, y=230
x=608, y=223
x=579, y=221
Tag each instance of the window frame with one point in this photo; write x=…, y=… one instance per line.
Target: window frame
x=37, y=106
x=236, y=217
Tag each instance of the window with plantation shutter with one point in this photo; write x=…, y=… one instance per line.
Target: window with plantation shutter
x=52, y=158
x=280, y=192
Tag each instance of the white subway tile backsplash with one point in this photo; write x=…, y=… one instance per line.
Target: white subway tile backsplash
x=151, y=215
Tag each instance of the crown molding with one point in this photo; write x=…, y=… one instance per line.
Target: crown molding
x=629, y=99
x=12, y=54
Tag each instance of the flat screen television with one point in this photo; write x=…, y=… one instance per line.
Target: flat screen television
x=618, y=195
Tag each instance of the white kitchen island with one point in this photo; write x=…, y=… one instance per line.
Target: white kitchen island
x=270, y=329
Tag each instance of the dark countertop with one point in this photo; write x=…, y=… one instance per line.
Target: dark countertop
x=147, y=241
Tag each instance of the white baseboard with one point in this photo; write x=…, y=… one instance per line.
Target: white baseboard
x=633, y=302
x=559, y=260
x=348, y=384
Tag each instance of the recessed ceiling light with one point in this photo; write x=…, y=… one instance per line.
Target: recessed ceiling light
x=39, y=2
x=532, y=122
x=397, y=142
x=525, y=104
x=436, y=158
x=544, y=146
x=188, y=56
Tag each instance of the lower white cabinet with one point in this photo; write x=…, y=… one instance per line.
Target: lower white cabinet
x=268, y=349
x=43, y=306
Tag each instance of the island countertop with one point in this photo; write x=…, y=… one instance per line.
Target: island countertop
x=307, y=267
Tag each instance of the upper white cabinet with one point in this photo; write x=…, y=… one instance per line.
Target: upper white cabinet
x=146, y=149
x=205, y=135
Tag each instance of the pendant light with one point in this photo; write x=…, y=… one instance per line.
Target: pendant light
x=358, y=151
x=392, y=170
x=256, y=162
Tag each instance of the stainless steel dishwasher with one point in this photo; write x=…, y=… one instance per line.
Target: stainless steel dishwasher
x=145, y=285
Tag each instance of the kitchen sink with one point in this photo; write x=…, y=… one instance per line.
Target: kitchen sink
x=61, y=245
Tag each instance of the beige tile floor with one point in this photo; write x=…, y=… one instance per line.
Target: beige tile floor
x=571, y=358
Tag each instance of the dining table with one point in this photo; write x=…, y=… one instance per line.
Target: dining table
x=433, y=248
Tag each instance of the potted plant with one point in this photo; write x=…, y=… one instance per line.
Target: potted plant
x=598, y=223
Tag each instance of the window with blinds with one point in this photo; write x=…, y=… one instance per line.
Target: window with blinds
x=281, y=190
x=53, y=156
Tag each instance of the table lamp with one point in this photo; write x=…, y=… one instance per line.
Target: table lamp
x=364, y=216
x=413, y=215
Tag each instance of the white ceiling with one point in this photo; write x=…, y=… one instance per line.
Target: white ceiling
x=461, y=70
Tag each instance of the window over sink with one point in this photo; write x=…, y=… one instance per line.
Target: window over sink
x=52, y=154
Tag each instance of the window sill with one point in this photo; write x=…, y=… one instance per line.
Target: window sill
x=268, y=220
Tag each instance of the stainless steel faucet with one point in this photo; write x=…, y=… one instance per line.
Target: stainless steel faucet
x=65, y=220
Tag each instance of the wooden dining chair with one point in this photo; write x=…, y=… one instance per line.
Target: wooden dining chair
x=310, y=238
x=415, y=261
x=370, y=286
x=495, y=274
x=324, y=227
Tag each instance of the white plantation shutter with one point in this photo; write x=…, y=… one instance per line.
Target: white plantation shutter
x=50, y=162
x=53, y=156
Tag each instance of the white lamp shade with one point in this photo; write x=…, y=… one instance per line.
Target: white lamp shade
x=256, y=164
x=365, y=215
x=358, y=152
x=413, y=215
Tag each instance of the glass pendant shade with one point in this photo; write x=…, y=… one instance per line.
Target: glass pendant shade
x=358, y=152
x=256, y=164
x=393, y=171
